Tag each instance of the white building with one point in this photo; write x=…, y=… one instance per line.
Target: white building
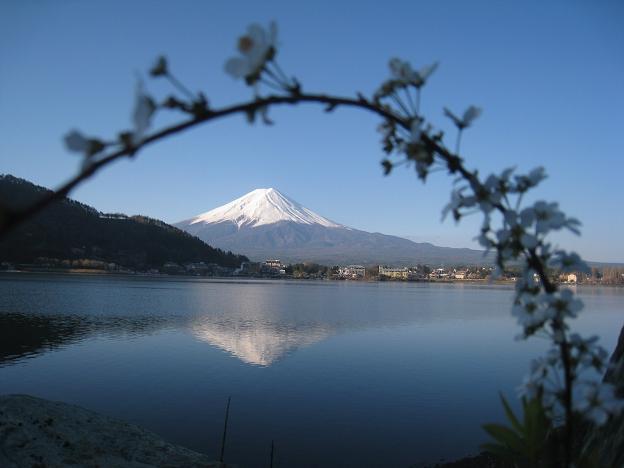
x=352, y=271
x=396, y=273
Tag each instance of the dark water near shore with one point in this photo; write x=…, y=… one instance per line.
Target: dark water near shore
x=337, y=374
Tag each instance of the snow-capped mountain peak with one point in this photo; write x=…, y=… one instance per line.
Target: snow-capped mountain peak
x=260, y=207
x=265, y=224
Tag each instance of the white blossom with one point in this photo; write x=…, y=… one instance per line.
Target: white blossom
x=598, y=401
x=487, y=194
x=403, y=73
x=144, y=109
x=525, y=182
x=587, y=352
x=470, y=114
x=564, y=304
x=257, y=47
x=532, y=311
x=455, y=204
x=536, y=175
x=536, y=379
x=547, y=217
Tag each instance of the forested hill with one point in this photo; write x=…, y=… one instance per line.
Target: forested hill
x=69, y=230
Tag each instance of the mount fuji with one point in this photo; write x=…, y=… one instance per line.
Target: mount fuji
x=267, y=224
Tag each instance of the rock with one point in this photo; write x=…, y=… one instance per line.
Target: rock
x=39, y=433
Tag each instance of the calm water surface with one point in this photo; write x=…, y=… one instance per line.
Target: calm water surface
x=336, y=373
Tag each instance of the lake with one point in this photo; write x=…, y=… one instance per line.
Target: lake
x=336, y=373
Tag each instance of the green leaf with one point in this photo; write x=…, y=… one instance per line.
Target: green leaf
x=511, y=416
x=505, y=436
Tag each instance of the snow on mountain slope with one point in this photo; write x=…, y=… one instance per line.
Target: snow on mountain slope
x=262, y=206
x=266, y=224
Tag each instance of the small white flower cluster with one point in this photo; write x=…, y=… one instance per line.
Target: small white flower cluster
x=257, y=63
x=416, y=150
x=547, y=217
x=594, y=400
x=597, y=401
x=585, y=352
x=402, y=73
x=403, y=90
x=257, y=48
x=470, y=115
x=544, y=380
x=539, y=310
x=402, y=76
x=409, y=145
x=521, y=231
x=489, y=193
x=533, y=310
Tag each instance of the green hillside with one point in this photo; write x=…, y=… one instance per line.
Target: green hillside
x=69, y=230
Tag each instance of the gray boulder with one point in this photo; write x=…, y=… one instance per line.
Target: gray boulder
x=41, y=433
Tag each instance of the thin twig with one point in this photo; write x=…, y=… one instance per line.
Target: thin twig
x=225, y=424
x=458, y=141
x=178, y=84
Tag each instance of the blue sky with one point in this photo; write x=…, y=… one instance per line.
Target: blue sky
x=549, y=76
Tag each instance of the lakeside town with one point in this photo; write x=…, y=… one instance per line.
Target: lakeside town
x=276, y=269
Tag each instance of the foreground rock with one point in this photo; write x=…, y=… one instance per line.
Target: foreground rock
x=41, y=433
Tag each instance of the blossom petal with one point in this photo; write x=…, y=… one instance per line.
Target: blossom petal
x=237, y=67
x=143, y=110
x=273, y=33
x=257, y=34
x=471, y=114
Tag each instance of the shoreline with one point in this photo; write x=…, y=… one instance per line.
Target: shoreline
x=140, y=274
x=94, y=272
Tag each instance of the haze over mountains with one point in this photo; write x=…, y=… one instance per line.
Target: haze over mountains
x=265, y=223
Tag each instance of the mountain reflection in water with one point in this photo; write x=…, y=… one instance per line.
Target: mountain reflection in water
x=25, y=336
x=259, y=327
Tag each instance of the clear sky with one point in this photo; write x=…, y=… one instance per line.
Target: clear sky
x=549, y=75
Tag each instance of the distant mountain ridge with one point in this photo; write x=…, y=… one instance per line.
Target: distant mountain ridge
x=69, y=230
x=265, y=223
